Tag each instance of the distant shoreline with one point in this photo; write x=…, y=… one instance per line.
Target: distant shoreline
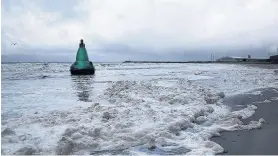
x=214, y=62
x=53, y=62
x=247, y=62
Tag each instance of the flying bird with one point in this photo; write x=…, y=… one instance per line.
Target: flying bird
x=14, y=44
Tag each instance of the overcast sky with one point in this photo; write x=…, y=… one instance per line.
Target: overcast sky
x=116, y=30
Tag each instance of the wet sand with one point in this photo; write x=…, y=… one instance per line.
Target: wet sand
x=263, y=141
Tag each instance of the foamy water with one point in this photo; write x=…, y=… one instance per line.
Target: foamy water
x=125, y=108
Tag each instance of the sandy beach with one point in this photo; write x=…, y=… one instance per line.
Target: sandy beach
x=261, y=141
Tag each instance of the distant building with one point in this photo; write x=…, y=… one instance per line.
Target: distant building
x=230, y=59
x=242, y=59
x=274, y=59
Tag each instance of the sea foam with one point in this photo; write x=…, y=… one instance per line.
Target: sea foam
x=175, y=114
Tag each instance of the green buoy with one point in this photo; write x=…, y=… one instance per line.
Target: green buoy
x=82, y=65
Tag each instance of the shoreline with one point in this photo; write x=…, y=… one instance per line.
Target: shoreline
x=213, y=62
x=260, y=141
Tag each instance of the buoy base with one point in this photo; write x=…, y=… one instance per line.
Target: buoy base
x=83, y=72
x=82, y=68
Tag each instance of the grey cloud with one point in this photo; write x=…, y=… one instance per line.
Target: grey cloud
x=139, y=30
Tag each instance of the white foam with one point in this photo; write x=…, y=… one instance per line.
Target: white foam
x=256, y=92
x=167, y=112
x=265, y=101
x=246, y=112
x=274, y=98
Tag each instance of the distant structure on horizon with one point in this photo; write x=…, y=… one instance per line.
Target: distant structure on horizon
x=274, y=59
x=240, y=59
x=271, y=59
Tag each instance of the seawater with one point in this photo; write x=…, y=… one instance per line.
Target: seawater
x=124, y=108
